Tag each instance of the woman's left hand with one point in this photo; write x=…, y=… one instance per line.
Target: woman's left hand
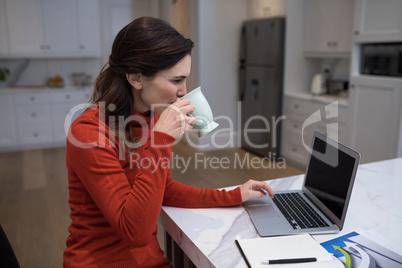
x=254, y=188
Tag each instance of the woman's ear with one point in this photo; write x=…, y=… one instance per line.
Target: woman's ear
x=135, y=80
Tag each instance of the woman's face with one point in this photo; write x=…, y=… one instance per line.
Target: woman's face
x=163, y=88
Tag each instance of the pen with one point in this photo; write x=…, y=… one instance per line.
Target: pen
x=283, y=261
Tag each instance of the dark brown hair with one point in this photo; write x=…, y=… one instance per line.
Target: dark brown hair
x=146, y=45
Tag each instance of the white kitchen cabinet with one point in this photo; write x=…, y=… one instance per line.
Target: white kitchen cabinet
x=24, y=21
x=60, y=24
x=35, y=119
x=3, y=29
x=378, y=21
x=304, y=115
x=53, y=28
x=375, y=116
x=88, y=27
x=328, y=27
x=8, y=133
x=62, y=103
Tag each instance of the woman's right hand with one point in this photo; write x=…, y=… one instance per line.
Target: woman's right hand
x=174, y=120
x=254, y=188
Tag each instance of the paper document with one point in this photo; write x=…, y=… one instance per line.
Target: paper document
x=257, y=250
x=359, y=249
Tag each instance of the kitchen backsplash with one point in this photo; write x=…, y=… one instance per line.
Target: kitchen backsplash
x=37, y=72
x=339, y=68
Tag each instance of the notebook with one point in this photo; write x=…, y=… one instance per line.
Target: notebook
x=258, y=251
x=327, y=187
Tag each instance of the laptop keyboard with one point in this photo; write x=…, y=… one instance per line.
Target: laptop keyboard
x=298, y=212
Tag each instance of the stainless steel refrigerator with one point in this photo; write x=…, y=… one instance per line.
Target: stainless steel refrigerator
x=261, y=85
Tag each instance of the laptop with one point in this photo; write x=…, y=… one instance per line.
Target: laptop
x=321, y=205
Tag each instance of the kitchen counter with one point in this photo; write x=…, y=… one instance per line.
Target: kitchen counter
x=34, y=89
x=325, y=99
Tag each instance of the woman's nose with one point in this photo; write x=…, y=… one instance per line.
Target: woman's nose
x=182, y=91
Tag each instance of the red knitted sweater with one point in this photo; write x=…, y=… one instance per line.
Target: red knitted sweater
x=115, y=197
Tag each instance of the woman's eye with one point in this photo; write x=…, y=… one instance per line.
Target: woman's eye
x=177, y=81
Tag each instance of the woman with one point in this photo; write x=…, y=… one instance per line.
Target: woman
x=116, y=184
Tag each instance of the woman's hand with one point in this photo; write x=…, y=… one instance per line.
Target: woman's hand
x=174, y=120
x=254, y=188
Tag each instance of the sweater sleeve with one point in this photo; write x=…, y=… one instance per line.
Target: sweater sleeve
x=131, y=210
x=181, y=195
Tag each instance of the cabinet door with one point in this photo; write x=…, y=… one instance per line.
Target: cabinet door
x=303, y=117
x=88, y=27
x=62, y=110
x=60, y=26
x=3, y=29
x=32, y=115
x=24, y=19
x=378, y=21
x=59, y=114
x=328, y=27
x=375, y=106
x=344, y=22
x=319, y=24
x=35, y=134
x=50, y=28
x=33, y=118
x=8, y=133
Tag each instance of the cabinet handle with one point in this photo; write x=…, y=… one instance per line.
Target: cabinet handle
x=356, y=32
x=82, y=46
x=42, y=47
x=332, y=44
x=48, y=47
x=294, y=150
x=67, y=97
x=35, y=135
x=296, y=106
x=295, y=126
x=33, y=115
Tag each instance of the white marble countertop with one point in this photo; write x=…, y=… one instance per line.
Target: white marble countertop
x=207, y=235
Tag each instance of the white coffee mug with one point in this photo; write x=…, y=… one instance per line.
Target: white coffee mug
x=202, y=112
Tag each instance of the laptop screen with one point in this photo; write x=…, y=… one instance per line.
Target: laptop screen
x=329, y=175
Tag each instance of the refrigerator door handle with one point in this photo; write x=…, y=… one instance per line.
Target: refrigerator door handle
x=242, y=67
x=242, y=82
x=255, y=88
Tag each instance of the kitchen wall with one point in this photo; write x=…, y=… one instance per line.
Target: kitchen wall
x=266, y=8
x=36, y=71
x=219, y=37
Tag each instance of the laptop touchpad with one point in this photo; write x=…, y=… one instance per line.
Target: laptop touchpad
x=263, y=211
